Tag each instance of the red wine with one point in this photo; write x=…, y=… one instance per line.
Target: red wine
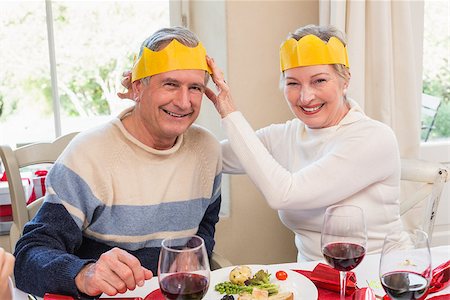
x=404, y=285
x=184, y=286
x=343, y=256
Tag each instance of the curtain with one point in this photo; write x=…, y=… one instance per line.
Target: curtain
x=385, y=52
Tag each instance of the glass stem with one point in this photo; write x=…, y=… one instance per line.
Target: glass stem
x=343, y=277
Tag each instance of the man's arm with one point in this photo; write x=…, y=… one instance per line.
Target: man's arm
x=207, y=227
x=45, y=260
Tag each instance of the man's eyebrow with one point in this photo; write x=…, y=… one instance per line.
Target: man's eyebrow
x=170, y=79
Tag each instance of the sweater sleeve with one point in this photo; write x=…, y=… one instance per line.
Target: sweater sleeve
x=45, y=262
x=207, y=227
x=354, y=163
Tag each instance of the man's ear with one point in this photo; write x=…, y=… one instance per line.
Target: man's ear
x=137, y=89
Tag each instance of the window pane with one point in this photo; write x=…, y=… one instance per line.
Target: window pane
x=25, y=91
x=95, y=42
x=436, y=72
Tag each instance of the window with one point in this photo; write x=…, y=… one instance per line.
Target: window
x=436, y=73
x=89, y=46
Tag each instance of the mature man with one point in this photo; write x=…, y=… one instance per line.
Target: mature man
x=120, y=188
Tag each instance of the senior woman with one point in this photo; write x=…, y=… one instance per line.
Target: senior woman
x=331, y=153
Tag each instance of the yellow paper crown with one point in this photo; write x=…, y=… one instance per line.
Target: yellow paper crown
x=175, y=56
x=310, y=50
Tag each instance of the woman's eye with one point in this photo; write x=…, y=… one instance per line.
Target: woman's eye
x=291, y=83
x=319, y=81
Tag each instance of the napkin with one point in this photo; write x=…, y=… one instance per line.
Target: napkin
x=364, y=294
x=327, y=281
x=57, y=297
x=155, y=295
x=440, y=278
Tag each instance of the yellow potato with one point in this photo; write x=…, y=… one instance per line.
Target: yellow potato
x=240, y=274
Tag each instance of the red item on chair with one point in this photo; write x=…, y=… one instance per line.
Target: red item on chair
x=5, y=210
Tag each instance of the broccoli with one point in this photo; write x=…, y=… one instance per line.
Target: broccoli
x=261, y=277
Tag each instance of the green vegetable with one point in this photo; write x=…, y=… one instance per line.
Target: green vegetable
x=261, y=277
x=260, y=280
x=231, y=288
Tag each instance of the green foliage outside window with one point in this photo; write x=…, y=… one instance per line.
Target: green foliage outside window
x=436, y=70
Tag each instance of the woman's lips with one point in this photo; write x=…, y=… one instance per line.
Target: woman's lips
x=309, y=110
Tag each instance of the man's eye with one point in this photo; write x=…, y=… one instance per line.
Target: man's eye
x=197, y=89
x=291, y=83
x=170, y=84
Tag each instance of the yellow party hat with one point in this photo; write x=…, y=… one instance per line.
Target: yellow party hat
x=311, y=50
x=175, y=56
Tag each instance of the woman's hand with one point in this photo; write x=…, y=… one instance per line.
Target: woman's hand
x=116, y=271
x=126, y=82
x=6, y=269
x=222, y=101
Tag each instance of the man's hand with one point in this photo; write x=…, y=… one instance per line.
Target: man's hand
x=185, y=262
x=116, y=271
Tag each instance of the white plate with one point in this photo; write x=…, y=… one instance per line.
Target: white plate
x=302, y=287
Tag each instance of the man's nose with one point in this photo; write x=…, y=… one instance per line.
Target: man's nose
x=182, y=99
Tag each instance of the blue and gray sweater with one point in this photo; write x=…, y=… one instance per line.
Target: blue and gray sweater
x=109, y=190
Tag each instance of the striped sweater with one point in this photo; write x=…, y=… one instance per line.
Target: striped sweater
x=108, y=190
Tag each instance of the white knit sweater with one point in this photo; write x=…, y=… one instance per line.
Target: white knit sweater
x=302, y=171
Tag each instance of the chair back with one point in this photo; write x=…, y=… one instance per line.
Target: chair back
x=13, y=161
x=422, y=183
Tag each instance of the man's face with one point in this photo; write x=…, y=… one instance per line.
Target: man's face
x=169, y=104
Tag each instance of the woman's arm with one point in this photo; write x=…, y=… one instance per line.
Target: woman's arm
x=351, y=165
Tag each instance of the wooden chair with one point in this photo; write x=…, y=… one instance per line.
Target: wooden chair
x=422, y=185
x=13, y=161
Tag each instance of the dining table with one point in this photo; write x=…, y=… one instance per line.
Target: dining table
x=366, y=276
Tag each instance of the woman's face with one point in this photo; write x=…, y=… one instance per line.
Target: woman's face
x=316, y=95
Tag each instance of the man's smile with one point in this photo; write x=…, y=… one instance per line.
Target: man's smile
x=172, y=114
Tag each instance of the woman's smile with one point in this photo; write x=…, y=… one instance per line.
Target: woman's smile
x=310, y=110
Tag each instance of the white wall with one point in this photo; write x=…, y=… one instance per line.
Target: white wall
x=253, y=32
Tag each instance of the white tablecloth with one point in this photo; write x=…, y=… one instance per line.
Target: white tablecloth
x=366, y=274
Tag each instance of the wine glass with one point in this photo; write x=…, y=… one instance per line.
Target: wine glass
x=405, y=264
x=183, y=268
x=343, y=239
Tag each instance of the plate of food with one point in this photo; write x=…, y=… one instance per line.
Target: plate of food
x=248, y=282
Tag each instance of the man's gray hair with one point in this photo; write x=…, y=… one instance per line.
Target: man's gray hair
x=164, y=36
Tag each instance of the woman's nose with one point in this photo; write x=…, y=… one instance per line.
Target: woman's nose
x=306, y=95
